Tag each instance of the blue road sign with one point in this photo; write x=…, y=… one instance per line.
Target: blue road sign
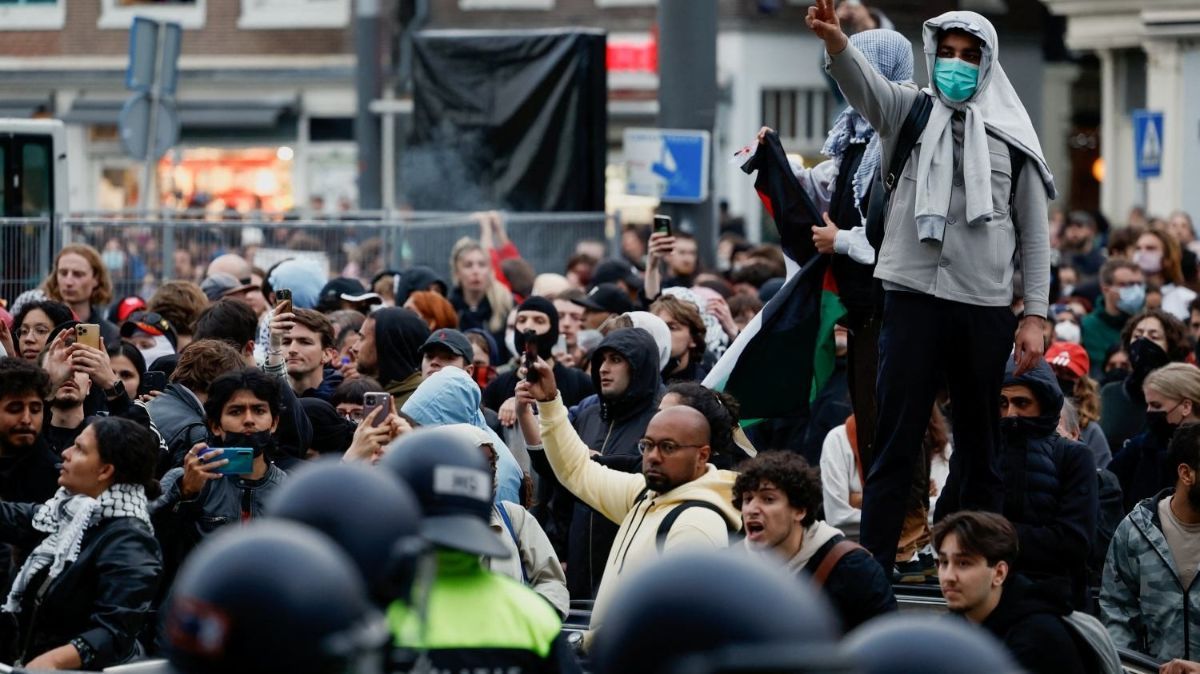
x=671, y=164
x=1147, y=143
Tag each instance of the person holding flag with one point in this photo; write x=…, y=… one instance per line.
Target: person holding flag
x=961, y=210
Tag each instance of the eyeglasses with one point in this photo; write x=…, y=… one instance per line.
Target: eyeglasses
x=666, y=447
x=39, y=330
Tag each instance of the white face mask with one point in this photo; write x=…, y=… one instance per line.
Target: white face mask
x=1067, y=331
x=510, y=340
x=162, y=347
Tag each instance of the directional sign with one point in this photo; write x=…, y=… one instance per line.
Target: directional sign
x=145, y=57
x=134, y=121
x=671, y=164
x=1148, y=143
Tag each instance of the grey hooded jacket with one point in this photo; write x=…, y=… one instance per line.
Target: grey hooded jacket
x=973, y=264
x=1143, y=603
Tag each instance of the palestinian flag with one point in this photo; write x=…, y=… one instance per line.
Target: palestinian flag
x=783, y=358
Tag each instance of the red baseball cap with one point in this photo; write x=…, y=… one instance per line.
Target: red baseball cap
x=1069, y=356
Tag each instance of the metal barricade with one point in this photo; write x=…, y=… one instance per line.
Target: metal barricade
x=141, y=252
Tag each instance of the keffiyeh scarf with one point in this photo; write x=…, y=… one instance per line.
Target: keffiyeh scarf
x=66, y=517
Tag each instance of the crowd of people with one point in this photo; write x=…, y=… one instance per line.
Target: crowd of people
x=273, y=470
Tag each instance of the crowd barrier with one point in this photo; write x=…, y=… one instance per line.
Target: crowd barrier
x=141, y=252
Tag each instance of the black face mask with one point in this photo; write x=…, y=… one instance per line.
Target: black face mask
x=545, y=342
x=259, y=441
x=1159, y=427
x=1115, y=374
x=1024, y=427
x=1145, y=355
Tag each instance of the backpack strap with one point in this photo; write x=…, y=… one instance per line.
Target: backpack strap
x=835, y=554
x=664, y=527
x=883, y=183
x=503, y=512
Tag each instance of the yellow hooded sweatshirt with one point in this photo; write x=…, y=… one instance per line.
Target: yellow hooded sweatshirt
x=615, y=495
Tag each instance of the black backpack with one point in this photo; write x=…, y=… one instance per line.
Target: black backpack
x=882, y=186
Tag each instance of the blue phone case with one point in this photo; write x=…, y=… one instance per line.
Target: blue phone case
x=241, y=461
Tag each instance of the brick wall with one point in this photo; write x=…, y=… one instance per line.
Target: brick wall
x=220, y=36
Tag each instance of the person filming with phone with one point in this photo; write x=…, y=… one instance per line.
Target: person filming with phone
x=227, y=479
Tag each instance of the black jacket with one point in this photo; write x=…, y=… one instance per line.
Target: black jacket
x=98, y=602
x=1029, y=620
x=399, y=334
x=856, y=586
x=179, y=417
x=1050, y=489
x=1141, y=468
x=613, y=428
x=574, y=385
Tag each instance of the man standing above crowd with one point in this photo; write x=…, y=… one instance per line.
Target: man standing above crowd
x=946, y=261
x=679, y=499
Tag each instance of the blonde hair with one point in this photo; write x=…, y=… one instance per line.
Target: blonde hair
x=102, y=293
x=1177, y=381
x=1087, y=400
x=498, y=297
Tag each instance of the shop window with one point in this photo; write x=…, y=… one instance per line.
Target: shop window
x=33, y=14
x=119, y=14
x=506, y=4
x=270, y=14
x=798, y=115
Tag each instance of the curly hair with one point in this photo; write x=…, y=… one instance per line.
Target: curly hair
x=102, y=293
x=721, y=410
x=19, y=378
x=789, y=473
x=1178, y=343
x=203, y=361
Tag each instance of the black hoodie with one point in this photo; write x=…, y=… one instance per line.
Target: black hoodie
x=415, y=279
x=1029, y=620
x=573, y=384
x=1050, y=489
x=399, y=333
x=612, y=428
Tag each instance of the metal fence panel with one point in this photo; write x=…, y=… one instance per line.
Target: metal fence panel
x=142, y=252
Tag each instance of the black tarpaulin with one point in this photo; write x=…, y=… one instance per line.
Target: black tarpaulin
x=507, y=119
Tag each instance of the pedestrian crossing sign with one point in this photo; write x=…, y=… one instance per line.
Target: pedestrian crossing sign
x=1148, y=143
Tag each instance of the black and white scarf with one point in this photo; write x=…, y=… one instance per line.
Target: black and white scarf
x=66, y=517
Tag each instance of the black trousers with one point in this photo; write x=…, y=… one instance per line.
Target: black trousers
x=925, y=342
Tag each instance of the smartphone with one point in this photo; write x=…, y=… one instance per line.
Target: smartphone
x=241, y=460
x=88, y=333
x=376, y=399
x=283, y=297
x=531, y=355
x=662, y=224
x=154, y=380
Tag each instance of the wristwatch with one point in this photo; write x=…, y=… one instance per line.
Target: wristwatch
x=115, y=391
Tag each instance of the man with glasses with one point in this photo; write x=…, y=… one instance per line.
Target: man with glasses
x=678, y=500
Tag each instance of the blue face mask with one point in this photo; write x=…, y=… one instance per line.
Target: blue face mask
x=955, y=78
x=1132, y=298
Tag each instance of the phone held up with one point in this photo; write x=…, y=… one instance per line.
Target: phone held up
x=154, y=380
x=531, y=354
x=283, y=297
x=88, y=333
x=241, y=460
x=373, y=400
x=662, y=224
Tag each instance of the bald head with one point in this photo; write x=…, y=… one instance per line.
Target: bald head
x=234, y=265
x=680, y=451
x=683, y=424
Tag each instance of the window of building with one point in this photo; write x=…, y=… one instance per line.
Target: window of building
x=33, y=14
x=800, y=116
x=272, y=14
x=119, y=14
x=505, y=4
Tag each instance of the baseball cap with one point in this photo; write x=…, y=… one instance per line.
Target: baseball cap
x=606, y=297
x=455, y=341
x=220, y=284
x=611, y=271
x=151, y=323
x=1069, y=356
x=348, y=289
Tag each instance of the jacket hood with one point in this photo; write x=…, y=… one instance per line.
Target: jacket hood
x=1044, y=385
x=416, y=278
x=1022, y=598
x=448, y=396
x=715, y=487
x=995, y=98
x=645, y=378
x=493, y=349
x=399, y=334
x=658, y=329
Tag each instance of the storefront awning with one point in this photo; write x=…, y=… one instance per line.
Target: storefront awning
x=263, y=114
